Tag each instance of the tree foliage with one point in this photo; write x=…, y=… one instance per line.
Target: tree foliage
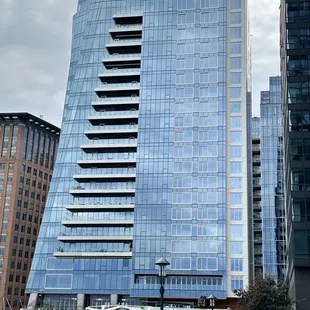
x=265, y=293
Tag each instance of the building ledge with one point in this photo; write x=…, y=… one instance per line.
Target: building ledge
x=60, y=254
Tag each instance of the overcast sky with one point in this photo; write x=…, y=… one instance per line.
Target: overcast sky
x=35, y=41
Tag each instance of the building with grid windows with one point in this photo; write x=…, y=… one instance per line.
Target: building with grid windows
x=272, y=190
x=268, y=185
x=295, y=64
x=28, y=147
x=153, y=157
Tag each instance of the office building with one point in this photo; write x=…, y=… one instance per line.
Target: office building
x=28, y=147
x=295, y=47
x=153, y=157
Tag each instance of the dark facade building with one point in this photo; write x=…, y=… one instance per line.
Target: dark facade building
x=28, y=147
x=257, y=207
x=153, y=157
x=295, y=68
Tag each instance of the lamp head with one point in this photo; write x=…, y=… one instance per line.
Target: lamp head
x=162, y=263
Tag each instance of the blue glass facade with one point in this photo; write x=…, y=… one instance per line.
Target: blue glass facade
x=152, y=158
x=272, y=193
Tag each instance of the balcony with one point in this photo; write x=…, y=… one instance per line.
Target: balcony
x=109, y=163
x=256, y=172
x=257, y=185
x=257, y=207
x=110, y=148
x=117, y=105
x=257, y=197
x=82, y=192
x=118, y=119
x=100, y=208
x=135, y=18
x=127, y=32
x=96, y=223
x=122, y=62
x=112, y=134
x=258, y=252
x=257, y=218
x=125, y=90
x=124, y=47
x=255, y=150
x=94, y=238
x=256, y=161
x=104, y=177
x=118, y=76
x=94, y=255
x=257, y=227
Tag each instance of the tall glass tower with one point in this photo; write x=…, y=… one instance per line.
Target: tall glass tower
x=153, y=157
x=272, y=187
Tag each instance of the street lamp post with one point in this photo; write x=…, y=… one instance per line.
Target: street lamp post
x=162, y=263
x=212, y=299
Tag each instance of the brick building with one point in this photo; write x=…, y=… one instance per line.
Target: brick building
x=28, y=147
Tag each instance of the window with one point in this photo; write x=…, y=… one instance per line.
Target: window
x=236, y=167
x=235, y=92
x=235, y=4
x=181, y=230
x=236, y=264
x=207, y=230
x=182, y=182
x=236, y=247
x=207, y=263
x=236, y=283
x=58, y=281
x=208, y=198
x=209, y=17
x=186, y=18
x=208, y=166
x=235, y=33
x=59, y=264
x=235, y=107
x=235, y=48
x=235, y=136
x=183, y=246
x=209, y=3
x=235, y=78
x=236, y=231
x=184, y=198
x=235, y=152
x=236, y=183
x=235, y=18
x=236, y=214
x=208, y=151
x=181, y=263
x=207, y=214
x=235, y=63
x=208, y=182
x=207, y=246
x=186, y=4
x=181, y=214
